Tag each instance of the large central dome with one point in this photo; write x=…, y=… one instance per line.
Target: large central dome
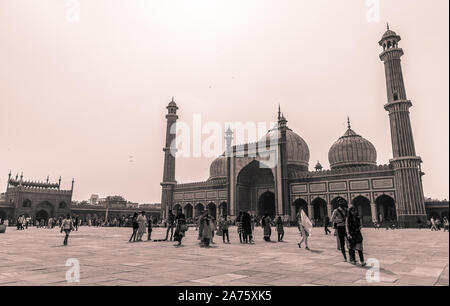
x=296, y=147
x=352, y=150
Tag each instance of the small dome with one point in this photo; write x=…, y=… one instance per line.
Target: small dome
x=352, y=150
x=297, y=149
x=388, y=33
x=318, y=166
x=172, y=103
x=218, y=168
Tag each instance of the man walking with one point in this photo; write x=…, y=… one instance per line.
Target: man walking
x=170, y=225
x=326, y=223
x=338, y=219
x=223, y=226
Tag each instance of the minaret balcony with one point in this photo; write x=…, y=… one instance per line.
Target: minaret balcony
x=391, y=54
x=398, y=106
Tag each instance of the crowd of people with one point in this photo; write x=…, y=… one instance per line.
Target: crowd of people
x=436, y=224
x=346, y=223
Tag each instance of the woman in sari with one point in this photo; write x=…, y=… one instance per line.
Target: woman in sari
x=205, y=224
x=266, y=227
x=247, y=228
x=304, y=231
x=181, y=227
x=354, y=236
x=142, y=222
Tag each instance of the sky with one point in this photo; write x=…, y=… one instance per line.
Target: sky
x=84, y=84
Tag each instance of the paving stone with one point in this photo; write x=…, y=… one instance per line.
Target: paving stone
x=36, y=257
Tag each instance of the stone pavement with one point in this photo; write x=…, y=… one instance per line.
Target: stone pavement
x=37, y=257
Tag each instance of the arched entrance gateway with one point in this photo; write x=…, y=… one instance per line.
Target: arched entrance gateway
x=300, y=203
x=386, y=208
x=251, y=179
x=223, y=209
x=44, y=210
x=319, y=210
x=335, y=203
x=199, y=208
x=362, y=204
x=188, y=211
x=266, y=203
x=2, y=215
x=212, y=211
x=42, y=215
x=176, y=208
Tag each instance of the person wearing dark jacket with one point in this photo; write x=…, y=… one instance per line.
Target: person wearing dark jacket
x=181, y=227
x=170, y=225
x=247, y=227
x=354, y=236
x=326, y=223
x=135, y=225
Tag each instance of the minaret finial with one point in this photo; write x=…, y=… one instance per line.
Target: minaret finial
x=348, y=122
x=173, y=99
x=387, y=24
x=279, y=112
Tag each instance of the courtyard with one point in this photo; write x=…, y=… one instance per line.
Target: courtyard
x=36, y=257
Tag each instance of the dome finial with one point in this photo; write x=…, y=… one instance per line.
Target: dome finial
x=348, y=123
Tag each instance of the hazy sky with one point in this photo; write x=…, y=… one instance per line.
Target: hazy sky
x=77, y=99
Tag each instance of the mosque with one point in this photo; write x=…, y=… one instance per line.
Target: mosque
x=240, y=180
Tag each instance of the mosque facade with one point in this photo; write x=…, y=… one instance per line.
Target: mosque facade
x=241, y=180
x=35, y=199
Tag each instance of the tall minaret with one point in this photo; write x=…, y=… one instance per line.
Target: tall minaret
x=408, y=175
x=169, y=149
x=229, y=154
x=282, y=183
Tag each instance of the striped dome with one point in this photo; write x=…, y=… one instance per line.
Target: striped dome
x=296, y=147
x=352, y=150
x=218, y=168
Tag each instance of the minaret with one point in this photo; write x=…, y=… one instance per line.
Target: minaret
x=282, y=184
x=408, y=181
x=169, y=182
x=228, y=154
